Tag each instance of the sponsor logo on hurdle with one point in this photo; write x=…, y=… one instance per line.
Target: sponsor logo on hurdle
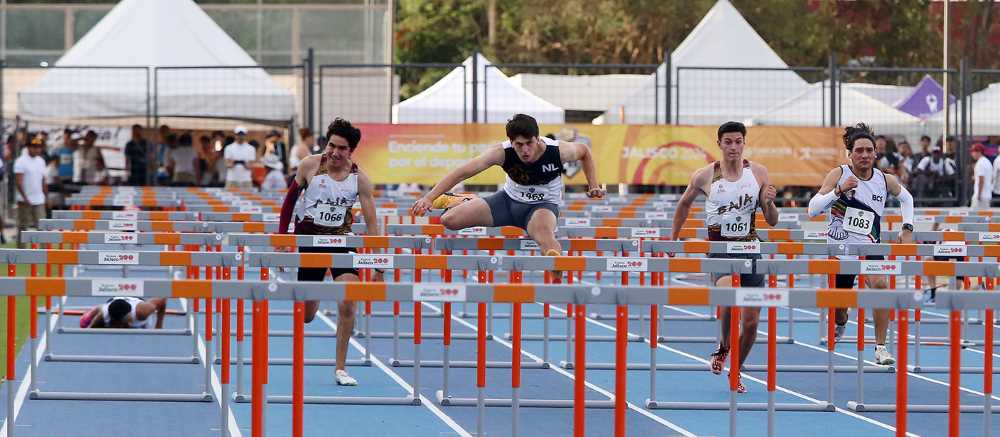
x=477, y=231
x=529, y=245
x=388, y=212
x=627, y=265
x=743, y=247
x=951, y=249
x=271, y=217
x=116, y=288
x=373, y=261
x=122, y=225
x=989, y=236
x=788, y=217
x=881, y=268
x=122, y=201
x=118, y=258
x=577, y=221
x=120, y=238
x=662, y=204
x=761, y=298
x=924, y=219
x=329, y=241
x=125, y=215
x=602, y=208
x=645, y=232
x=959, y=213
x=252, y=209
x=439, y=292
x=242, y=203
x=657, y=215
x=814, y=235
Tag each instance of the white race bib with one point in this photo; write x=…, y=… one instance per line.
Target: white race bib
x=859, y=221
x=329, y=215
x=735, y=226
x=532, y=194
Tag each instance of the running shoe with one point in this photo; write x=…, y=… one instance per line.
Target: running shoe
x=450, y=200
x=882, y=356
x=344, y=379
x=719, y=360
x=838, y=332
x=740, y=388
x=557, y=275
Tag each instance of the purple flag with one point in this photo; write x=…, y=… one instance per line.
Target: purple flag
x=925, y=100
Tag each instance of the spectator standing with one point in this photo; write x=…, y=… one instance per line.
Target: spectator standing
x=85, y=159
x=982, y=178
x=181, y=161
x=240, y=156
x=275, y=179
x=136, y=153
x=301, y=150
x=934, y=174
x=29, y=172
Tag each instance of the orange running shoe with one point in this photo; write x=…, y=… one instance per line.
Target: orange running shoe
x=451, y=200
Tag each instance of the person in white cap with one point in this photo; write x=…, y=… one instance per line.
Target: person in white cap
x=275, y=179
x=239, y=155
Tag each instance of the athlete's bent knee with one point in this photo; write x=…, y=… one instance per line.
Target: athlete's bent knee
x=451, y=221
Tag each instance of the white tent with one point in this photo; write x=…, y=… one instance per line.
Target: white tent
x=144, y=34
x=984, y=110
x=891, y=95
x=449, y=100
x=723, y=39
x=812, y=108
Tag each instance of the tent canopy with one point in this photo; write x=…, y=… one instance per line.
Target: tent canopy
x=925, y=99
x=140, y=37
x=449, y=100
x=723, y=39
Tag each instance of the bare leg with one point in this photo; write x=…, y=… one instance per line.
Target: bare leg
x=748, y=334
x=542, y=228
x=345, y=322
x=312, y=306
x=472, y=213
x=726, y=281
x=881, y=315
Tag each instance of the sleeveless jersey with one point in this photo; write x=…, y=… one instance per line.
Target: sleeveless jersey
x=731, y=206
x=537, y=182
x=135, y=323
x=325, y=204
x=857, y=218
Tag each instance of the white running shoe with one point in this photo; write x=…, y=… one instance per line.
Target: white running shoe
x=838, y=332
x=882, y=356
x=344, y=379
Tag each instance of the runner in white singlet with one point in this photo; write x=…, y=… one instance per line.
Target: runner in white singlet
x=734, y=189
x=125, y=313
x=319, y=200
x=856, y=194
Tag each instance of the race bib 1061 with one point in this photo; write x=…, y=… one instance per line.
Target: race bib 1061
x=735, y=226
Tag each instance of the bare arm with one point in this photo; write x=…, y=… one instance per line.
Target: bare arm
x=569, y=152
x=493, y=156
x=366, y=195
x=694, y=189
x=766, y=195
x=146, y=309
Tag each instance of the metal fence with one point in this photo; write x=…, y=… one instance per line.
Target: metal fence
x=287, y=96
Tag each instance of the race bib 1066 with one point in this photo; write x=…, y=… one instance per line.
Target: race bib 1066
x=329, y=215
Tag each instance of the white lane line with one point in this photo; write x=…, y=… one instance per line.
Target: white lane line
x=234, y=427
x=557, y=369
x=760, y=381
x=395, y=377
x=22, y=388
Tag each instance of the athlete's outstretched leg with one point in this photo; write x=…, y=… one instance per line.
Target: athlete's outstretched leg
x=345, y=328
x=542, y=229
x=882, y=354
x=472, y=213
x=748, y=333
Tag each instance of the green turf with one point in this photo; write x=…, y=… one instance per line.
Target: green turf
x=22, y=316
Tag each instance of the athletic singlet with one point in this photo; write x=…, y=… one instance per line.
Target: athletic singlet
x=857, y=218
x=133, y=302
x=326, y=203
x=538, y=182
x=731, y=206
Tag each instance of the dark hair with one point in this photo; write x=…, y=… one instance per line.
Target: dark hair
x=925, y=137
x=732, y=126
x=136, y=126
x=185, y=139
x=204, y=139
x=881, y=137
x=857, y=132
x=171, y=139
x=344, y=129
x=91, y=133
x=305, y=132
x=550, y=136
x=522, y=125
x=118, y=309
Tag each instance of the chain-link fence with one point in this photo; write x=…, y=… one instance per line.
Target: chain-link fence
x=570, y=93
x=776, y=96
x=396, y=93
